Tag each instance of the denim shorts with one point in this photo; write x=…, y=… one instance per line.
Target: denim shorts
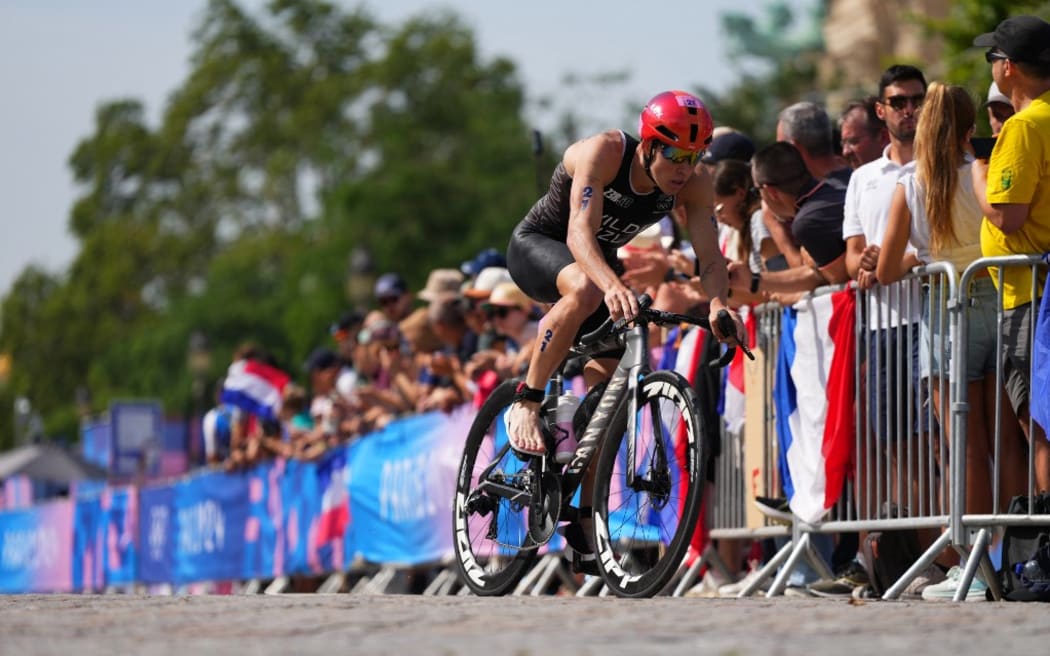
x=893, y=383
x=981, y=331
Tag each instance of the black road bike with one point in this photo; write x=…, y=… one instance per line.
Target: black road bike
x=652, y=452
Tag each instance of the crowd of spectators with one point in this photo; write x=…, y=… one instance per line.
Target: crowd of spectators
x=812, y=209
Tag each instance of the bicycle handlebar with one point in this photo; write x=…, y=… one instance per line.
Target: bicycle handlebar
x=726, y=326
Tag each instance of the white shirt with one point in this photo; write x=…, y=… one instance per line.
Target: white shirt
x=866, y=213
x=966, y=219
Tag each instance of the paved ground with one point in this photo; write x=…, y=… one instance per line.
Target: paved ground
x=512, y=626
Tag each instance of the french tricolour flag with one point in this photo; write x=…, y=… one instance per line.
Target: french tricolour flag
x=733, y=399
x=254, y=387
x=813, y=395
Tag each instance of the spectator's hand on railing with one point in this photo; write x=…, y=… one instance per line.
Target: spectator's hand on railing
x=739, y=275
x=869, y=259
x=645, y=269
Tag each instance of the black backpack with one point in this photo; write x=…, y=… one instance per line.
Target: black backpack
x=1022, y=544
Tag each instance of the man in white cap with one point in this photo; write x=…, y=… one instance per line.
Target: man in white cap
x=999, y=108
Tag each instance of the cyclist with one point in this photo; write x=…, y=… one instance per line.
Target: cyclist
x=607, y=189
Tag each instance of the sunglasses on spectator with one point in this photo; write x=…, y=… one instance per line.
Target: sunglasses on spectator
x=680, y=155
x=388, y=300
x=500, y=311
x=993, y=54
x=898, y=103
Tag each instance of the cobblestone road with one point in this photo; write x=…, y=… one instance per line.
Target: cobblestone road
x=513, y=626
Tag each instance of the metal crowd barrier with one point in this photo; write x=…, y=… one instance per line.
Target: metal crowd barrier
x=900, y=451
x=973, y=533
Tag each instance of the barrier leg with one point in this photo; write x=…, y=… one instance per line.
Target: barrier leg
x=278, y=585
x=591, y=587
x=530, y=577
x=767, y=570
x=690, y=575
x=980, y=548
x=550, y=569
x=780, y=582
x=924, y=561
x=332, y=584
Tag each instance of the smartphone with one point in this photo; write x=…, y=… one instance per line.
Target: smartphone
x=982, y=147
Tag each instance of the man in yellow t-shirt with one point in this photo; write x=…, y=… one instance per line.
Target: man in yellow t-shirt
x=1014, y=192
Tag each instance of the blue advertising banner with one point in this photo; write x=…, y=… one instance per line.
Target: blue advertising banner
x=402, y=487
x=36, y=548
x=88, y=545
x=157, y=534
x=264, y=532
x=120, y=513
x=211, y=512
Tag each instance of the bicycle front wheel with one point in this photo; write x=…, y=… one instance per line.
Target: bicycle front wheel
x=645, y=510
x=490, y=527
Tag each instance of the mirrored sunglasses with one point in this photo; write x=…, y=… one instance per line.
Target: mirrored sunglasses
x=680, y=155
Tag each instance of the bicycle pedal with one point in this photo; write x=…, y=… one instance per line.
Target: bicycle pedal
x=583, y=563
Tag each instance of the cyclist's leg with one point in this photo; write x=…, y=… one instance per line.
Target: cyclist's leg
x=535, y=262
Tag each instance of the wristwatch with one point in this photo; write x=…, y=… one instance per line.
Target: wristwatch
x=755, y=279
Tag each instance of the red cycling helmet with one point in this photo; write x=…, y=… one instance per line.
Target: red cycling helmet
x=677, y=118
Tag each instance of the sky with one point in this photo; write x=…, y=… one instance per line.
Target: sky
x=60, y=59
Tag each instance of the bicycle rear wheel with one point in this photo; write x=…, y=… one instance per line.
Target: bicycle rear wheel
x=491, y=531
x=642, y=528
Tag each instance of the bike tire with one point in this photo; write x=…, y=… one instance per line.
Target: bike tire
x=490, y=566
x=641, y=535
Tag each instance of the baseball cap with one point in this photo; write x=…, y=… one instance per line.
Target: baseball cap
x=997, y=96
x=441, y=281
x=489, y=257
x=390, y=284
x=347, y=320
x=486, y=282
x=321, y=358
x=732, y=145
x=1021, y=38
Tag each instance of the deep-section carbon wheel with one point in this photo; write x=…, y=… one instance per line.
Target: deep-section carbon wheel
x=643, y=523
x=490, y=512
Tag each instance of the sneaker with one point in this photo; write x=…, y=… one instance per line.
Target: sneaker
x=932, y=575
x=852, y=577
x=775, y=508
x=945, y=590
x=734, y=589
x=708, y=587
x=797, y=591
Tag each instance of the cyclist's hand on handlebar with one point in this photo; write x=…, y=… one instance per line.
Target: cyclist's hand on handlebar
x=723, y=336
x=621, y=302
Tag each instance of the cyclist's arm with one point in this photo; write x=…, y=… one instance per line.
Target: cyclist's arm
x=697, y=200
x=593, y=163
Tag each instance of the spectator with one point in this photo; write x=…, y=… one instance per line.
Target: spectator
x=490, y=257
x=935, y=208
x=393, y=297
x=381, y=393
x=445, y=383
x=344, y=333
x=1013, y=189
x=807, y=127
x=863, y=133
x=512, y=314
x=475, y=294
x=327, y=409
x=440, y=283
x=871, y=187
x=221, y=427
x=730, y=145
x=815, y=210
x=999, y=108
x=737, y=205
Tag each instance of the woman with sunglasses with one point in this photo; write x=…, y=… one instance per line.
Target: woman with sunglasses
x=605, y=190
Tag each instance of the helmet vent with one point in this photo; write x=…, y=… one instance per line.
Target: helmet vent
x=664, y=130
x=692, y=130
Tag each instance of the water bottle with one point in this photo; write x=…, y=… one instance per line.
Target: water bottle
x=564, y=438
